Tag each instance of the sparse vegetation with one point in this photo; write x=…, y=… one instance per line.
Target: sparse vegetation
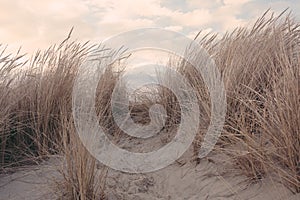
x=260, y=66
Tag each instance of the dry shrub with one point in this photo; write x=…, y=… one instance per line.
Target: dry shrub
x=156, y=95
x=103, y=106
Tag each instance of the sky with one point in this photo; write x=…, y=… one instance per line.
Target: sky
x=37, y=24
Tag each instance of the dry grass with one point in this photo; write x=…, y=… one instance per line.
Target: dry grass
x=36, y=94
x=36, y=115
x=82, y=180
x=260, y=66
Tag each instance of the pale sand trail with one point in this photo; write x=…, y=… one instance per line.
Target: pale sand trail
x=31, y=182
x=212, y=178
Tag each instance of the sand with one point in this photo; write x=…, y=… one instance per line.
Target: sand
x=215, y=177
x=31, y=182
x=212, y=178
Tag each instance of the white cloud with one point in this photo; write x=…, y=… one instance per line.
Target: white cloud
x=235, y=2
x=174, y=28
x=204, y=4
x=203, y=32
x=195, y=18
x=38, y=24
x=33, y=24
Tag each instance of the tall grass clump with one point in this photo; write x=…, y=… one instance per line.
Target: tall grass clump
x=36, y=115
x=260, y=68
x=81, y=177
x=35, y=93
x=8, y=100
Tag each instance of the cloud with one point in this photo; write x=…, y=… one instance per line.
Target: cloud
x=203, y=32
x=235, y=2
x=38, y=24
x=33, y=24
x=174, y=28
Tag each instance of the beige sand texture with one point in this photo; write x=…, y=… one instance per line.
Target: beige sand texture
x=212, y=178
x=31, y=182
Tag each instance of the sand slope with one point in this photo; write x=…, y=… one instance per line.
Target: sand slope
x=30, y=182
x=212, y=178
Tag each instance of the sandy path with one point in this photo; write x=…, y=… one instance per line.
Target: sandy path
x=30, y=183
x=184, y=180
x=210, y=179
